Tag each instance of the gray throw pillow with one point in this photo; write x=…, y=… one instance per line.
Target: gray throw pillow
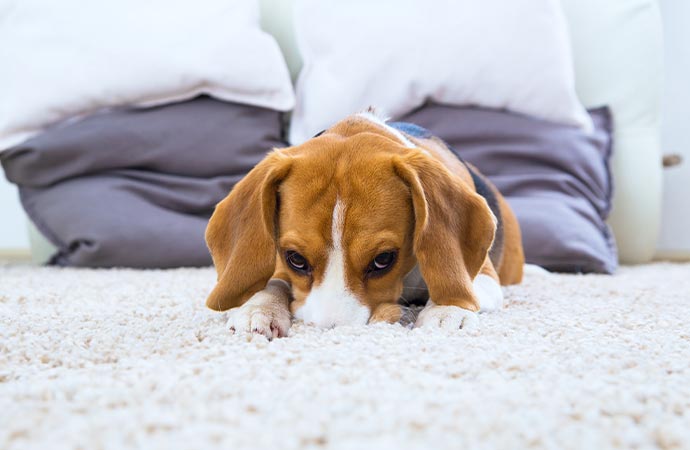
x=136, y=187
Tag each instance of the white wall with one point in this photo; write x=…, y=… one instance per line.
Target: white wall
x=675, y=138
x=13, y=232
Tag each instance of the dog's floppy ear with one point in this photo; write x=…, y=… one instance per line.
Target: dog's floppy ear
x=454, y=229
x=241, y=234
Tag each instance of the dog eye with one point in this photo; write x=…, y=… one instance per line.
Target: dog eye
x=297, y=262
x=381, y=263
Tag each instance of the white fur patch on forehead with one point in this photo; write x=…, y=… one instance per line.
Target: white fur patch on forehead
x=372, y=117
x=337, y=224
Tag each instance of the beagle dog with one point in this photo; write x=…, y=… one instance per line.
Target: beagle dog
x=331, y=231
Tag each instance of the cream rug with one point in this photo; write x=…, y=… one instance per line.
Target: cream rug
x=110, y=359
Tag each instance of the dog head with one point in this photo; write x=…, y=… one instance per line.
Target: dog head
x=343, y=218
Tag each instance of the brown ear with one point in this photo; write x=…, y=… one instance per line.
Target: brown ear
x=241, y=234
x=454, y=229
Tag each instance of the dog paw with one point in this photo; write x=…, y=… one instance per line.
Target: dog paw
x=447, y=318
x=488, y=292
x=260, y=315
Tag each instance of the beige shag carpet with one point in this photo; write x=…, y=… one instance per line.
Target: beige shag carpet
x=107, y=359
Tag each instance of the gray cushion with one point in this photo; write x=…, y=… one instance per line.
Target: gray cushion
x=135, y=187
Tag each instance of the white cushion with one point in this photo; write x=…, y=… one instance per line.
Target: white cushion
x=397, y=55
x=74, y=57
x=618, y=52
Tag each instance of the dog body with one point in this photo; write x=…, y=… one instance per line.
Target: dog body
x=329, y=230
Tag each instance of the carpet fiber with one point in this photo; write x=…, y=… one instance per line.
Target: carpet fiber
x=121, y=358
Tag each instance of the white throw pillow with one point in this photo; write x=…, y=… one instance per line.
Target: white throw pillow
x=62, y=59
x=618, y=47
x=398, y=54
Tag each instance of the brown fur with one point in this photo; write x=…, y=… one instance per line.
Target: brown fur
x=417, y=201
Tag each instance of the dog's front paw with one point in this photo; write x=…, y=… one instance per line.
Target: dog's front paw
x=262, y=314
x=447, y=317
